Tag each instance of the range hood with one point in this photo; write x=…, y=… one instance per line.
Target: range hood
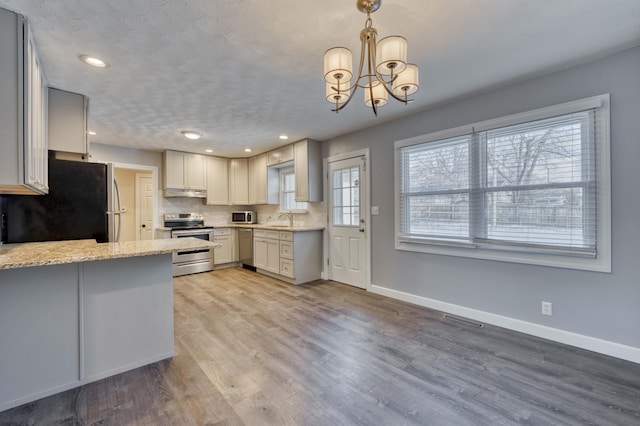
x=185, y=193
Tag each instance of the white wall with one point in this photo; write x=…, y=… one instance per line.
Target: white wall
x=605, y=307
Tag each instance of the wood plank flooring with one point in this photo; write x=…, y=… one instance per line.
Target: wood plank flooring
x=251, y=350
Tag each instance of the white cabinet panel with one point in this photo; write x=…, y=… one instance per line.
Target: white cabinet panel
x=258, y=179
x=127, y=307
x=228, y=253
x=280, y=155
x=239, y=181
x=195, y=176
x=39, y=332
x=68, y=121
x=23, y=112
x=217, y=181
x=266, y=254
x=174, y=170
x=308, y=170
x=184, y=172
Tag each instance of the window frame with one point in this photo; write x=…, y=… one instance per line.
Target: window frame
x=517, y=253
x=289, y=170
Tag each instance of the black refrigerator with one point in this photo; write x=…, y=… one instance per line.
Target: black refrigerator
x=79, y=205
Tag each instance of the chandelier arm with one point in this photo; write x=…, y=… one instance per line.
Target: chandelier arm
x=371, y=61
x=379, y=77
x=344, y=104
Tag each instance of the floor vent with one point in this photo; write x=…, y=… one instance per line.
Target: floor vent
x=463, y=321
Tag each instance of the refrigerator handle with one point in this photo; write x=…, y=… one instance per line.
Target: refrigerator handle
x=118, y=209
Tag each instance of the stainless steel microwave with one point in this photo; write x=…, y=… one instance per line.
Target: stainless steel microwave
x=246, y=216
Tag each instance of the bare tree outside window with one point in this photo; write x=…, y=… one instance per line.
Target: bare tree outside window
x=527, y=183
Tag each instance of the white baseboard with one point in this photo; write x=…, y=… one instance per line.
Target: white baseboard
x=594, y=344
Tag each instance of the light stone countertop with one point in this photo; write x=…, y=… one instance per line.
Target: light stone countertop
x=294, y=228
x=24, y=255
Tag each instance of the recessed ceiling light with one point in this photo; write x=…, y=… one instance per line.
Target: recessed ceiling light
x=190, y=134
x=284, y=137
x=208, y=150
x=247, y=150
x=93, y=61
x=91, y=133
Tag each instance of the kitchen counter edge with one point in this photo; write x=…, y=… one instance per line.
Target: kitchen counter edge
x=23, y=255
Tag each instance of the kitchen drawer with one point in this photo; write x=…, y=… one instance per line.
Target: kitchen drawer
x=286, y=268
x=286, y=236
x=286, y=250
x=274, y=235
x=259, y=233
x=221, y=231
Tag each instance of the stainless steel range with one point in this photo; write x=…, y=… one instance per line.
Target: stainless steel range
x=185, y=225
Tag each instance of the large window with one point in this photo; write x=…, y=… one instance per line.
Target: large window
x=529, y=188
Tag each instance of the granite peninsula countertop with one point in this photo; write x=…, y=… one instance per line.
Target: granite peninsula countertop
x=24, y=255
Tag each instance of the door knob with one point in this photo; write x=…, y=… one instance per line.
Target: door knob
x=144, y=226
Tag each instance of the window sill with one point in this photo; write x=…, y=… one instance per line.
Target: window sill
x=601, y=263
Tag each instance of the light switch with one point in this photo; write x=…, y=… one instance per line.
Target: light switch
x=374, y=210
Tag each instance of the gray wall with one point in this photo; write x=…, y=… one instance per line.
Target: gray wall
x=605, y=306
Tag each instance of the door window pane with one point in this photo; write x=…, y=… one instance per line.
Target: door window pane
x=346, y=197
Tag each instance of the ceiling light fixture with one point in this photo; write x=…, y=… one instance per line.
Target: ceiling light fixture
x=384, y=59
x=284, y=137
x=91, y=133
x=247, y=150
x=190, y=134
x=93, y=61
x=208, y=150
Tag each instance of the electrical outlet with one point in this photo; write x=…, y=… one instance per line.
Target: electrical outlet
x=547, y=308
x=375, y=210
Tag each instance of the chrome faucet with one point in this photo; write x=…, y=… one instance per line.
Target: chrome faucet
x=289, y=215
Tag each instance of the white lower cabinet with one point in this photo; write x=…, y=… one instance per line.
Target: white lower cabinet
x=294, y=257
x=228, y=252
x=266, y=250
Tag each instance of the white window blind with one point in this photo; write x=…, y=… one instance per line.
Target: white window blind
x=520, y=185
x=288, y=192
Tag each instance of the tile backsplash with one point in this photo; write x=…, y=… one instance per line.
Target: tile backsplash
x=221, y=215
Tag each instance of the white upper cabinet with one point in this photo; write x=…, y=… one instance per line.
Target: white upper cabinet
x=23, y=110
x=195, y=174
x=217, y=181
x=258, y=179
x=184, y=172
x=308, y=170
x=68, y=122
x=280, y=155
x=238, y=181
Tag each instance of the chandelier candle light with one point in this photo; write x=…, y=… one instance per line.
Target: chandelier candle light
x=386, y=67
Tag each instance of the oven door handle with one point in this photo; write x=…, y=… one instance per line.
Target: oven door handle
x=189, y=233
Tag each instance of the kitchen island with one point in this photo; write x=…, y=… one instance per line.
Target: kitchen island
x=72, y=312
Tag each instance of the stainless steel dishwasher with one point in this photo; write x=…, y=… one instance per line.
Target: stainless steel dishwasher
x=245, y=247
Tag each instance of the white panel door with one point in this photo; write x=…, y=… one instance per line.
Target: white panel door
x=144, y=206
x=346, y=230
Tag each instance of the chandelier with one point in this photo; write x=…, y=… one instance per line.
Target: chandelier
x=385, y=67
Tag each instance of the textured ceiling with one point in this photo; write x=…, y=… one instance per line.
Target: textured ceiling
x=243, y=72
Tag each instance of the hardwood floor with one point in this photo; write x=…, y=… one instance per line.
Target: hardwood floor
x=255, y=351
